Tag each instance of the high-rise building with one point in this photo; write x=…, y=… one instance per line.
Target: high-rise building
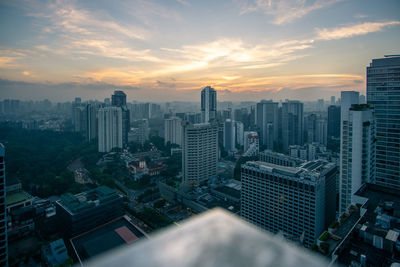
x=118, y=99
x=321, y=131
x=173, y=131
x=299, y=201
x=383, y=93
x=229, y=135
x=334, y=121
x=208, y=104
x=333, y=100
x=348, y=98
x=110, y=128
x=91, y=121
x=292, y=124
x=199, y=152
x=239, y=127
x=267, y=122
x=357, y=153
x=3, y=216
x=78, y=118
x=310, y=122
x=251, y=144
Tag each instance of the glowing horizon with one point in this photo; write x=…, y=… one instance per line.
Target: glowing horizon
x=169, y=50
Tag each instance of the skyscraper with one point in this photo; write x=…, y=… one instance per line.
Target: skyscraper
x=300, y=201
x=208, y=104
x=110, y=128
x=229, y=135
x=118, y=99
x=383, y=93
x=334, y=121
x=292, y=124
x=91, y=120
x=357, y=153
x=239, y=127
x=199, y=152
x=173, y=131
x=267, y=122
x=3, y=216
x=321, y=131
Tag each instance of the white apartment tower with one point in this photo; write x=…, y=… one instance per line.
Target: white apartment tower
x=199, y=152
x=110, y=128
x=173, y=130
x=357, y=153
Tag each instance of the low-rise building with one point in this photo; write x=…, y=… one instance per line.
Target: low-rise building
x=84, y=211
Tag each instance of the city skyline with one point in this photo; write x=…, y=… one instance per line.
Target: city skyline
x=170, y=50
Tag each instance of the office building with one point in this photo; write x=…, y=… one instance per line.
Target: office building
x=87, y=210
x=267, y=122
x=334, y=121
x=3, y=215
x=383, y=93
x=110, y=128
x=357, y=152
x=292, y=124
x=199, y=152
x=229, y=135
x=118, y=99
x=208, y=104
x=300, y=202
x=173, y=131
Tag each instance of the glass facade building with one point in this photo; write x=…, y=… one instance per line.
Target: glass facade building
x=383, y=93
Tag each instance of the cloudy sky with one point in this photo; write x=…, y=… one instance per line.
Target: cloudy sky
x=169, y=49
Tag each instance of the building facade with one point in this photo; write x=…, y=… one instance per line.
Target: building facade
x=383, y=93
x=334, y=121
x=292, y=124
x=3, y=215
x=300, y=201
x=358, y=156
x=199, y=152
x=110, y=128
x=118, y=99
x=229, y=135
x=267, y=122
x=87, y=210
x=208, y=104
x=173, y=131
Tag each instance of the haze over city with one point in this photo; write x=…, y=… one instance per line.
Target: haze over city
x=169, y=50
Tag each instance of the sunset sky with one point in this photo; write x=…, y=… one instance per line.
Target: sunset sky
x=169, y=49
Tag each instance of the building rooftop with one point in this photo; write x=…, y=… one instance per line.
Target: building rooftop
x=310, y=170
x=374, y=235
x=215, y=238
x=386, y=61
x=17, y=197
x=80, y=202
x=105, y=238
